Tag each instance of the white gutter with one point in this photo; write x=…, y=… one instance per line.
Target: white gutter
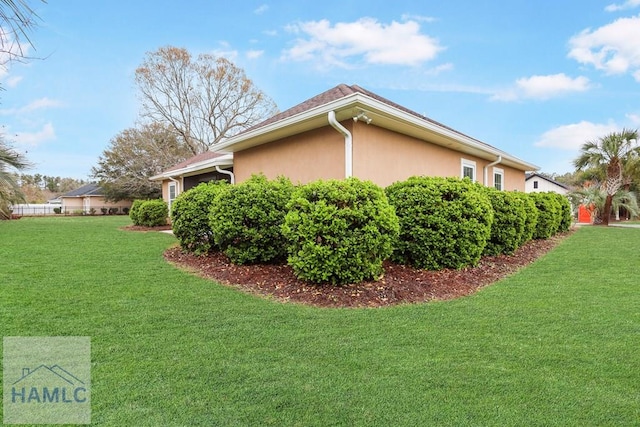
x=486, y=170
x=348, y=143
x=232, y=177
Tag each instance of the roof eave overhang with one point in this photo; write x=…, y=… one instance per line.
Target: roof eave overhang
x=382, y=115
x=199, y=168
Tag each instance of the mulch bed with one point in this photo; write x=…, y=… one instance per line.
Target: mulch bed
x=399, y=285
x=141, y=228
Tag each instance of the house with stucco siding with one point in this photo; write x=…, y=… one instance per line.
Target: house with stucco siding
x=350, y=131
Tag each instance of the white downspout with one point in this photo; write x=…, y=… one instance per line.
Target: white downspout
x=486, y=170
x=348, y=144
x=177, y=185
x=226, y=172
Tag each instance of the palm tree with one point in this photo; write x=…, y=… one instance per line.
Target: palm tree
x=10, y=192
x=593, y=197
x=610, y=154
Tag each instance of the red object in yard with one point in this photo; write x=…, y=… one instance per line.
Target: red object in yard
x=584, y=214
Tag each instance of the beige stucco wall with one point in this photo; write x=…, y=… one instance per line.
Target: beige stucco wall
x=379, y=155
x=318, y=154
x=71, y=204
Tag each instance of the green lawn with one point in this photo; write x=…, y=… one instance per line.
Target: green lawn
x=554, y=345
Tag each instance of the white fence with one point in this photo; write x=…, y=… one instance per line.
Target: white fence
x=34, y=209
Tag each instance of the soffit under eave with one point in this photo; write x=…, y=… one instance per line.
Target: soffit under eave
x=382, y=115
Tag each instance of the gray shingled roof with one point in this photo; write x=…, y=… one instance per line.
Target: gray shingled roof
x=85, y=190
x=341, y=91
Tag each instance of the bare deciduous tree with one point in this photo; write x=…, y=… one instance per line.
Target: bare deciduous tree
x=133, y=156
x=205, y=100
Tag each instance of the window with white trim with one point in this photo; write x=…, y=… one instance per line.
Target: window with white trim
x=498, y=179
x=172, y=193
x=468, y=169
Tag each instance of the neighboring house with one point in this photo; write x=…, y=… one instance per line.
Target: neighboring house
x=535, y=182
x=349, y=131
x=87, y=197
x=204, y=167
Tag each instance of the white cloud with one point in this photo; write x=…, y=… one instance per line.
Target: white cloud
x=634, y=118
x=254, y=54
x=419, y=18
x=571, y=137
x=613, y=48
x=261, y=9
x=38, y=104
x=225, y=51
x=13, y=81
x=439, y=69
x=543, y=87
x=629, y=4
x=374, y=42
x=33, y=139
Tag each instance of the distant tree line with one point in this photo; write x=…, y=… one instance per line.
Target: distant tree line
x=39, y=188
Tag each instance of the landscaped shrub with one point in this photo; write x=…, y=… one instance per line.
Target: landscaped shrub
x=339, y=231
x=113, y=211
x=125, y=210
x=245, y=220
x=152, y=213
x=565, y=213
x=133, y=212
x=508, y=222
x=531, y=217
x=104, y=211
x=444, y=222
x=190, y=217
x=57, y=210
x=549, y=214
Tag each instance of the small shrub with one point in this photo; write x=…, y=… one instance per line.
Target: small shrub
x=57, y=210
x=550, y=213
x=508, y=222
x=113, y=211
x=339, y=231
x=444, y=222
x=190, y=217
x=92, y=211
x=125, y=210
x=245, y=220
x=152, y=213
x=104, y=211
x=133, y=213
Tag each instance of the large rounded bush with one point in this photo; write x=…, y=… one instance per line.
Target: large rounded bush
x=444, y=222
x=566, y=218
x=133, y=212
x=153, y=213
x=190, y=217
x=508, y=222
x=339, y=231
x=245, y=220
x=549, y=214
x=531, y=217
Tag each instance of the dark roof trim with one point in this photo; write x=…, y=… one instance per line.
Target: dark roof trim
x=537, y=175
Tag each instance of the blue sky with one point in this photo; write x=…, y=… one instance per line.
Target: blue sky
x=536, y=79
